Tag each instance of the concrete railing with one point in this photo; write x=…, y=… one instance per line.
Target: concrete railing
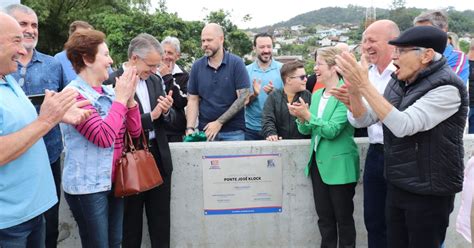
x=295, y=226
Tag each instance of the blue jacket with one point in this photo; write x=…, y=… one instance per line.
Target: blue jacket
x=458, y=62
x=87, y=167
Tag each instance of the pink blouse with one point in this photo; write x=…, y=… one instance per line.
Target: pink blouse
x=110, y=130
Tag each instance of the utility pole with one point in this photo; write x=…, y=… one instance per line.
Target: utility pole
x=370, y=16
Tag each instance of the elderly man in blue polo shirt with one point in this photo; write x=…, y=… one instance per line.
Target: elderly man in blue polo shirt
x=26, y=183
x=217, y=90
x=265, y=75
x=37, y=72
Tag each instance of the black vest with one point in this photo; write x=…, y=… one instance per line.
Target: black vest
x=429, y=162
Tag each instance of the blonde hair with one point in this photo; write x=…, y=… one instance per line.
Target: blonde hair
x=328, y=54
x=453, y=40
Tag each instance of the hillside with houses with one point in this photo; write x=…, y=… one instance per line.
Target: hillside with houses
x=300, y=36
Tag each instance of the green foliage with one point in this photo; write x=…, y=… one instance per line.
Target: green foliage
x=398, y=4
x=239, y=43
x=121, y=20
x=309, y=66
x=221, y=17
x=290, y=49
x=464, y=46
x=402, y=16
x=326, y=16
x=461, y=22
x=236, y=41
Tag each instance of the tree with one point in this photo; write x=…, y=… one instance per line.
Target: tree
x=55, y=16
x=236, y=41
x=120, y=20
x=464, y=46
x=398, y=4
x=221, y=17
x=123, y=27
x=460, y=23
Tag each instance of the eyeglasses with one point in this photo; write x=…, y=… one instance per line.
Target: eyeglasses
x=400, y=50
x=150, y=66
x=21, y=81
x=302, y=77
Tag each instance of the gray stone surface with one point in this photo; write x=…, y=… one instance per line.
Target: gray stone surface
x=295, y=226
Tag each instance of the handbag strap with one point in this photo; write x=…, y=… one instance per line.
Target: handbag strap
x=131, y=146
x=142, y=141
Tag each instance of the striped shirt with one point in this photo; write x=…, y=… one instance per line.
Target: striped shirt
x=110, y=130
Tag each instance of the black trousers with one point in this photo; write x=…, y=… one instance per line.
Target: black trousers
x=375, y=192
x=175, y=138
x=416, y=221
x=334, y=207
x=51, y=216
x=157, y=206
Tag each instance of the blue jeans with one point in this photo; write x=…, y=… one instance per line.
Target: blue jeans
x=230, y=136
x=375, y=192
x=29, y=234
x=99, y=217
x=253, y=135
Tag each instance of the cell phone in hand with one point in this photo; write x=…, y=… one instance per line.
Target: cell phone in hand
x=36, y=99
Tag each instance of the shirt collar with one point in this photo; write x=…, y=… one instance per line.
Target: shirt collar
x=36, y=57
x=225, y=59
x=389, y=69
x=3, y=80
x=273, y=66
x=84, y=86
x=448, y=50
x=176, y=69
x=11, y=82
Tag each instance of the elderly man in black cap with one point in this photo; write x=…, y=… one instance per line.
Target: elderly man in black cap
x=423, y=111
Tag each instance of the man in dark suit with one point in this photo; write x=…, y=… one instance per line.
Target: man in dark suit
x=145, y=53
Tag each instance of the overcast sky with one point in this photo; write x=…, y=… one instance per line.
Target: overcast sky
x=270, y=12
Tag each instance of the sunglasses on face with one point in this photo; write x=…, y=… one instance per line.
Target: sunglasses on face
x=302, y=77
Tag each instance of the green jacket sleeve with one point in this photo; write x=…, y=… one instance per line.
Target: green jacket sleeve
x=328, y=129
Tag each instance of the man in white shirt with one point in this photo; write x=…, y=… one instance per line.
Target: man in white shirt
x=375, y=46
x=145, y=53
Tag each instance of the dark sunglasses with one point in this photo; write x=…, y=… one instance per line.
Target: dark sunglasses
x=302, y=77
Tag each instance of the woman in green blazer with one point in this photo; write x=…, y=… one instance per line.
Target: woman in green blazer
x=334, y=158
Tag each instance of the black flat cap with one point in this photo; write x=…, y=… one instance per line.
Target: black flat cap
x=422, y=36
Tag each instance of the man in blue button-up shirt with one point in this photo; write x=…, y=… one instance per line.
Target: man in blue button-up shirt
x=68, y=72
x=36, y=73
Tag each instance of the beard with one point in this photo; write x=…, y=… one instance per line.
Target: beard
x=209, y=52
x=30, y=45
x=261, y=58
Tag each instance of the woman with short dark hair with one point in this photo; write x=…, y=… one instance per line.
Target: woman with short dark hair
x=92, y=147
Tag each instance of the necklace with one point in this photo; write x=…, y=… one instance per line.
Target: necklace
x=324, y=96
